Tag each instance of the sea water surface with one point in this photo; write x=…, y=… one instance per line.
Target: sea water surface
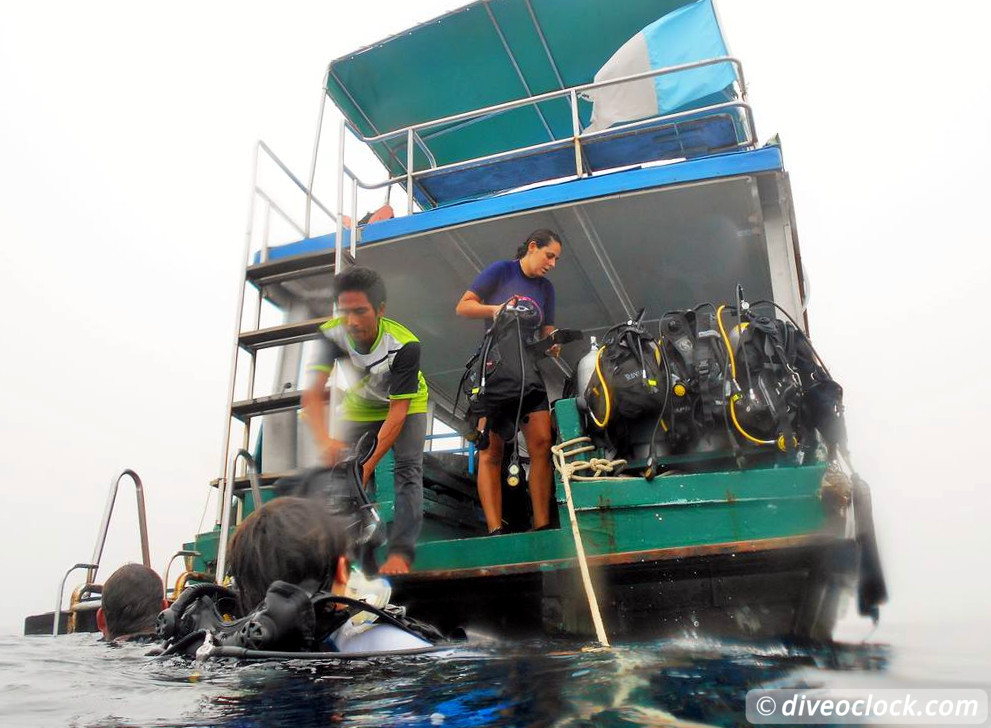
x=76, y=680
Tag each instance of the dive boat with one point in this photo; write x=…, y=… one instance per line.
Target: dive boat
x=496, y=119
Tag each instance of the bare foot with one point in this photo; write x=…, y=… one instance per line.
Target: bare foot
x=395, y=564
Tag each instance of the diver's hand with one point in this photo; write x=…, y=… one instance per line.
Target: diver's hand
x=367, y=471
x=333, y=451
x=554, y=349
x=511, y=303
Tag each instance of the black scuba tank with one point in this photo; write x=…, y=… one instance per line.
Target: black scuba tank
x=284, y=622
x=815, y=412
x=504, y=368
x=627, y=383
x=199, y=607
x=697, y=368
x=769, y=401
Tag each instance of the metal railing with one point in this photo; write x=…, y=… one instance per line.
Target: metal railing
x=57, y=615
x=101, y=539
x=227, y=495
x=168, y=567
x=466, y=447
x=414, y=133
x=307, y=191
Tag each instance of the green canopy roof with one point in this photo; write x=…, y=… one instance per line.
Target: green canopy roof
x=483, y=54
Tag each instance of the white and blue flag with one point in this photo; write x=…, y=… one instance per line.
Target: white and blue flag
x=688, y=34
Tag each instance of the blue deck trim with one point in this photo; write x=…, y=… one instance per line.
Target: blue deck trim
x=302, y=247
x=766, y=159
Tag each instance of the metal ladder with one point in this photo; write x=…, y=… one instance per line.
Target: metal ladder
x=265, y=275
x=262, y=276
x=101, y=539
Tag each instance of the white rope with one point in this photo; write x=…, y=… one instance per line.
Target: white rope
x=567, y=470
x=600, y=467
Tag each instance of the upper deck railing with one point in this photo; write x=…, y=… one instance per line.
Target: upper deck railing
x=415, y=135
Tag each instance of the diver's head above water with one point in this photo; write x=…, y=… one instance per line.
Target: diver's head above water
x=132, y=598
x=288, y=539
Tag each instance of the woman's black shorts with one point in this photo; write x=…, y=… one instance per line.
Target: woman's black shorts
x=502, y=421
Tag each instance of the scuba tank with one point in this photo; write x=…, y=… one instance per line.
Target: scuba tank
x=627, y=381
x=283, y=621
x=624, y=391
x=584, y=372
x=758, y=384
x=813, y=398
x=198, y=608
x=697, y=368
x=765, y=407
x=503, y=370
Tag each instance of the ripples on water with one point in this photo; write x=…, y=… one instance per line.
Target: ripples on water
x=78, y=681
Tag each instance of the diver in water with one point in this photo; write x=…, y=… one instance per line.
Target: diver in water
x=504, y=282
x=291, y=574
x=132, y=598
x=289, y=540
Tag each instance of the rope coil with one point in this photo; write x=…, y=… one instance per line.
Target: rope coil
x=600, y=467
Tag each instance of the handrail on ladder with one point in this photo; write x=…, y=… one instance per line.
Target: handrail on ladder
x=226, y=494
x=260, y=147
x=252, y=468
x=101, y=539
x=168, y=568
x=57, y=614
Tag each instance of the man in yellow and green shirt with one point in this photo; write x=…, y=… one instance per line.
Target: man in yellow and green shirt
x=387, y=395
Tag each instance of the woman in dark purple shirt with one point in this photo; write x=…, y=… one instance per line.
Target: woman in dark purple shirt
x=498, y=284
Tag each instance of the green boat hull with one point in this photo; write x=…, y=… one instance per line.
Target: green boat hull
x=754, y=553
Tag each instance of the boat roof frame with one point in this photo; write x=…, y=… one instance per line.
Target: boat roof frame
x=415, y=139
x=404, y=172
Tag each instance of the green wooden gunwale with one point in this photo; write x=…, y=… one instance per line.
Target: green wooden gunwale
x=626, y=517
x=672, y=516
x=633, y=516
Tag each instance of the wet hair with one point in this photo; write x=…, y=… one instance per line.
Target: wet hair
x=542, y=238
x=132, y=599
x=288, y=539
x=362, y=280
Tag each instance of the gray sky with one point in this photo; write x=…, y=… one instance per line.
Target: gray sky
x=125, y=146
